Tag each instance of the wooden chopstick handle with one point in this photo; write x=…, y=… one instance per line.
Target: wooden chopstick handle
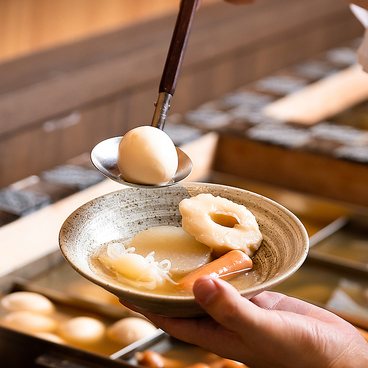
x=177, y=46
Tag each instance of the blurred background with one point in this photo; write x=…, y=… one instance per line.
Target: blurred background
x=31, y=26
x=74, y=73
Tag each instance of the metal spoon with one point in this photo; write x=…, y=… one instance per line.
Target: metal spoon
x=104, y=154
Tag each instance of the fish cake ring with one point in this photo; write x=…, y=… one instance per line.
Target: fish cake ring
x=221, y=224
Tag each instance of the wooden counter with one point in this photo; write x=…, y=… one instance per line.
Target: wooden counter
x=300, y=170
x=30, y=244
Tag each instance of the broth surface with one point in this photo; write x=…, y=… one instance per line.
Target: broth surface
x=196, y=251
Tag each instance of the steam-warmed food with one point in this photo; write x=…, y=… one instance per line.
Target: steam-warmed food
x=27, y=301
x=153, y=359
x=50, y=337
x=82, y=330
x=218, y=237
x=220, y=224
x=147, y=155
x=29, y=322
x=136, y=270
x=228, y=264
x=129, y=330
x=175, y=254
x=150, y=358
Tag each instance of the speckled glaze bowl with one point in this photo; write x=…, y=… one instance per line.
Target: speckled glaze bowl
x=124, y=213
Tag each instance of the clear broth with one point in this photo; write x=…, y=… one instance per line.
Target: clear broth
x=241, y=280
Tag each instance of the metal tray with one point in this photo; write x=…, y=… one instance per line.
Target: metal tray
x=334, y=276
x=18, y=349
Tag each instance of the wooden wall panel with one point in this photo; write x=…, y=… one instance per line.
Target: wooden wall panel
x=30, y=25
x=141, y=107
x=52, y=143
x=195, y=90
x=182, y=100
x=225, y=74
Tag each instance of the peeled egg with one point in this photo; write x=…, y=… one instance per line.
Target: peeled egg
x=147, y=155
x=82, y=330
x=50, y=337
x=29, y=322
x=27, y=301
x=130, y=329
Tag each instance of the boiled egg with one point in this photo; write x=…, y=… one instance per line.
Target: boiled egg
x=29, y=322
x=129, y=330
x=27, y=301
x=82, y=330
x=147, y=155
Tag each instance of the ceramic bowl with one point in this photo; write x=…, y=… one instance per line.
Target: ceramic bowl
x=124, y=213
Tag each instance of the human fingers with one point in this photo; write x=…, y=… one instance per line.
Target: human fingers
x=275, y=301
x=256, y=331
x=252, y=334
x=361, y=3
x=226, y=306
x=191, y=330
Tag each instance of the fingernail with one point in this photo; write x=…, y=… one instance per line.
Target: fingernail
x=205, y=290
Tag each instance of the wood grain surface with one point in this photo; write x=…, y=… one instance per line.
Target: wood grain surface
x=31, y=25
x=323, y=99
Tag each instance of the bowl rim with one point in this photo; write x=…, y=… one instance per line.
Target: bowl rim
x=188, y=299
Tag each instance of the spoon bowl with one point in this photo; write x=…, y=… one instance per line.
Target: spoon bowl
x=105, y=154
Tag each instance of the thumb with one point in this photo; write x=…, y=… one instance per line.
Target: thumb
x=225, y=305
